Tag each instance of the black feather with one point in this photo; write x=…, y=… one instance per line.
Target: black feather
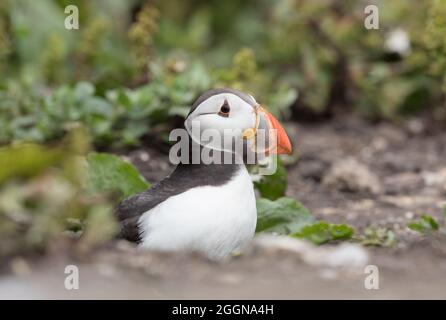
x=183, y=178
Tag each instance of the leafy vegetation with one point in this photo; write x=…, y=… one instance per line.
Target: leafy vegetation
x=375, y=236
x=108, y=173
x=330, y=61
x=41, y=195
x=46, y=191
x=288, y=216
x=427, y=224
x=120, y=118
x=273, y=186
x=283, y=216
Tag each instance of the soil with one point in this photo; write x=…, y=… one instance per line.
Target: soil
x=349, y=171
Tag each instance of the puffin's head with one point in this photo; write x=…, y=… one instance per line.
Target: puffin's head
x=220, y=117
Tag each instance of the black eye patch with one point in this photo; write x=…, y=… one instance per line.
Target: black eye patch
x=224, y=109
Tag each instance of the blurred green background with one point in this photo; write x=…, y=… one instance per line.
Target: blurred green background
x=136, y=66
x=133, y=69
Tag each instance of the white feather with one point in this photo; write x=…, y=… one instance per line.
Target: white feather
x=215, y=220
x=223, y=130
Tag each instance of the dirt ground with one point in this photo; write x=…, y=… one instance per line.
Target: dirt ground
x=399, y=173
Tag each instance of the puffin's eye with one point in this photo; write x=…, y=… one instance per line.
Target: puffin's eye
x=224, y=110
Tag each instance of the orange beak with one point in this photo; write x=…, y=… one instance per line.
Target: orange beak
x=283, y=145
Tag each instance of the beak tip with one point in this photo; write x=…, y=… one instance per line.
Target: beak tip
x=285, y=148
x=283, y=144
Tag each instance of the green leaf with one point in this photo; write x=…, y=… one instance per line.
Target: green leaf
x=273, y=186
x=322, y=232
x=280, y=100
x=430, y=221
x=416, y=227
x=26, y=160
x=341, y=231
x=109, y=173
x=317, y=233
x=99, y=226
x=284, y=216
x=380, y=237
x=425, y=224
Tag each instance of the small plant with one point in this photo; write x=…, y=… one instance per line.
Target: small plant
x=434, y=39
x=283, y=216
x=380, y=237
x=429, y=225
x=53, y=194
x=88, y=52
x=273, y=186
x=122, y=117
x=5, y=45
x=245, y=75
x=242, y=72
x=426, y=224
x=52, y=58
x=323, y=232
x=109, y=173
x=289, y=217
x=141, y=36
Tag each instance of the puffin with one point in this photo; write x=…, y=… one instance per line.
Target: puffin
x=207, y=207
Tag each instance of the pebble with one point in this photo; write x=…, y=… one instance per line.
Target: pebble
x=20, y=267
x=350, y=175
x=144, y=156
x=345, y=255
x=409, y=215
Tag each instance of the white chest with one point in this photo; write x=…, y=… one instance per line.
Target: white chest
x=214, y=220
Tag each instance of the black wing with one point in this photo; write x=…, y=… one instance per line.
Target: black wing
x=130, y=210
x=183, y=178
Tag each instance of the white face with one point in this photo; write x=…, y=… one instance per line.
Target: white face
x=223, y=115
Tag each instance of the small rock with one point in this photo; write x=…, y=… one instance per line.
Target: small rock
x=144, y=156
x=415, y=126
x=363, y=205
x=345, y=256
x=436, y=179
x=20, y=267
x=409, y=202
x=399, y=162
x=409, y=215
x=391, y=133
x=312, y=169
x=403, y=183
x=281, y=243
x=379, y=144
x=350, y=175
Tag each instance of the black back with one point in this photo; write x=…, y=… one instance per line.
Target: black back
x=183, y=178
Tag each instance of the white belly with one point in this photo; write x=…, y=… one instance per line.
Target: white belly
x=213, y=220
